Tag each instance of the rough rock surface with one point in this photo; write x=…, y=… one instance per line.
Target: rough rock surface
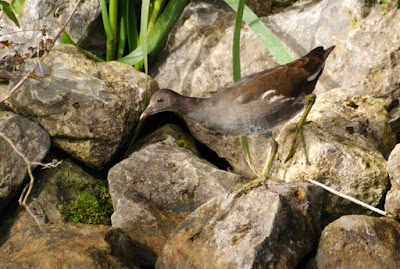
x=30, y=140
x=392, y=203
x=157, y=187
x=23, y=244
x=345, y=139
x=359, y=242
x=40, y=20
x=197, y=61
x=88, y=108
x=251, y=228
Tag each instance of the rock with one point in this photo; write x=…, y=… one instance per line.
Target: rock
x=359, y=242
x=158, y=186
x=356, y=62
x=26, y=245
x=198, y=60
x=40, y=20
x=30, y=140
x=88, y=108
x=251, y=228
x=59, y=187
x=346, y=138
x=168, y=130
x=392, y=203
x=201, y=70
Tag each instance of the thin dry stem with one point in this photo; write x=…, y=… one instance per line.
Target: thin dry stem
x=27, y=190
x=45, y=54
x=345, y=196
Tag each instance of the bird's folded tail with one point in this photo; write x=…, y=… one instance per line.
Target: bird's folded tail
x=320, y=52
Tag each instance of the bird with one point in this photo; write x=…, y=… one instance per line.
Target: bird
x=254, y=105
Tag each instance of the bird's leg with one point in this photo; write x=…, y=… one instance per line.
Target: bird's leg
x=299, y=128
x=263, y=177
x=268, y=162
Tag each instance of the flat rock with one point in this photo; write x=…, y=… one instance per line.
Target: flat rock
x=259, y=227
x=88, y=108
x=26, y=245
x=31, y=140
x=359, y=242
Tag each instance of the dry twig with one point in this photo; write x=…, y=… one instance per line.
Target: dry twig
x=345, y=196
x=45, y=54
x=28, y=188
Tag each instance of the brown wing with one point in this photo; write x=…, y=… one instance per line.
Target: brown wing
x=288, y=80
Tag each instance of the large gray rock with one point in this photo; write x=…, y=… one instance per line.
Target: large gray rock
x=30, y=140
x=347, y=139
x=359, y=242
x=158, y=186
x=192, y=68
x=367, y=52
x=260, y=227
x=88, y=108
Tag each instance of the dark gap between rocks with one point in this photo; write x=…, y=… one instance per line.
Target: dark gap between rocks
x=157, y=121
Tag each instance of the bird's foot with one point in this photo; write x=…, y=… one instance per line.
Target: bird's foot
x=262, y=179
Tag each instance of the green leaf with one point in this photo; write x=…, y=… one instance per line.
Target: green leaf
x=113, y=16
x=270, y=41
x=236, y=42
x=18, y=6
x=9, y=12
x=131, y=25
x=110, y=50
x=143, y=28
x=122, y=28
x=160, y=32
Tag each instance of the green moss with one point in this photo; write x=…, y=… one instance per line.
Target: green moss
x=182, y=143
x=90, y=209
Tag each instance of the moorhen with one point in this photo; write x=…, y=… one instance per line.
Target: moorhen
x=254, y=105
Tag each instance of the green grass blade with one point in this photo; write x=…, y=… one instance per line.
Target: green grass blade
x=236, y=42
x=18, y=6
x=143, y=30
x=270, y=41
x=113, y=15
x=158, y=5
x=236, y=70
x=159, y=34
x=122, y=28
x=9, y=12
x=131, y=25
x=108, y=32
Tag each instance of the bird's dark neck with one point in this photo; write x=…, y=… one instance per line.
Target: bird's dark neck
x=188, y=106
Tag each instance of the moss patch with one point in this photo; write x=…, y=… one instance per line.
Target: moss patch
x=90, y=209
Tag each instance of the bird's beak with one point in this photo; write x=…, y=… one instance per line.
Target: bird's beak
x=147, y=112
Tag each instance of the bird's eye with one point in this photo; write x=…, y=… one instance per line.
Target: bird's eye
x=159, y=100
